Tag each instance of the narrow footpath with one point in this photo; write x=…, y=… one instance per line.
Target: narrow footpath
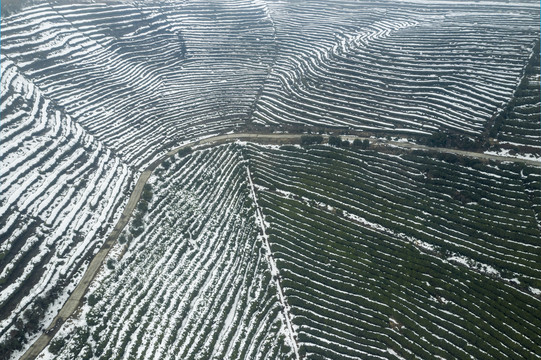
x=275, y=272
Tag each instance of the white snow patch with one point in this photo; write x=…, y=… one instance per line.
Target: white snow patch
x=534, y=291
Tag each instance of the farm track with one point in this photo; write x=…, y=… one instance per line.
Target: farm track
x=76, y=298
x=470, y=154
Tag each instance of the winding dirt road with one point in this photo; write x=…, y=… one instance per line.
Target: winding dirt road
x=76, y=297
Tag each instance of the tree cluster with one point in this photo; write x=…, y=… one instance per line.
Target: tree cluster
x=311, y=139
x=361, y=144
x=446, y=140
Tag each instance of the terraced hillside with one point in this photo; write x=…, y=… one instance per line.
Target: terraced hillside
x=138, y=76
x=89, y=90
x=403, y=256
x=377, y=255
x=517, y=127
x=59, y=192
x=398, y=66
x=92, y=92
x=195, y=282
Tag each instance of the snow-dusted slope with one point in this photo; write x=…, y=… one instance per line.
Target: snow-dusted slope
x=59, y=188
x=396, y=65
x=411, y=255
x=92, y=91
x=89, y=90
x=139, y=76
x=196, y=282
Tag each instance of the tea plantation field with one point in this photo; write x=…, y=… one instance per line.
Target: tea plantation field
x=251, y=251
x=377, y=255
x=517, y=126
x=412, y=256
x=60, y=191
x=194, y=282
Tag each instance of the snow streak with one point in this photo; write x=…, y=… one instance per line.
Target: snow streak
x=274, y=270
